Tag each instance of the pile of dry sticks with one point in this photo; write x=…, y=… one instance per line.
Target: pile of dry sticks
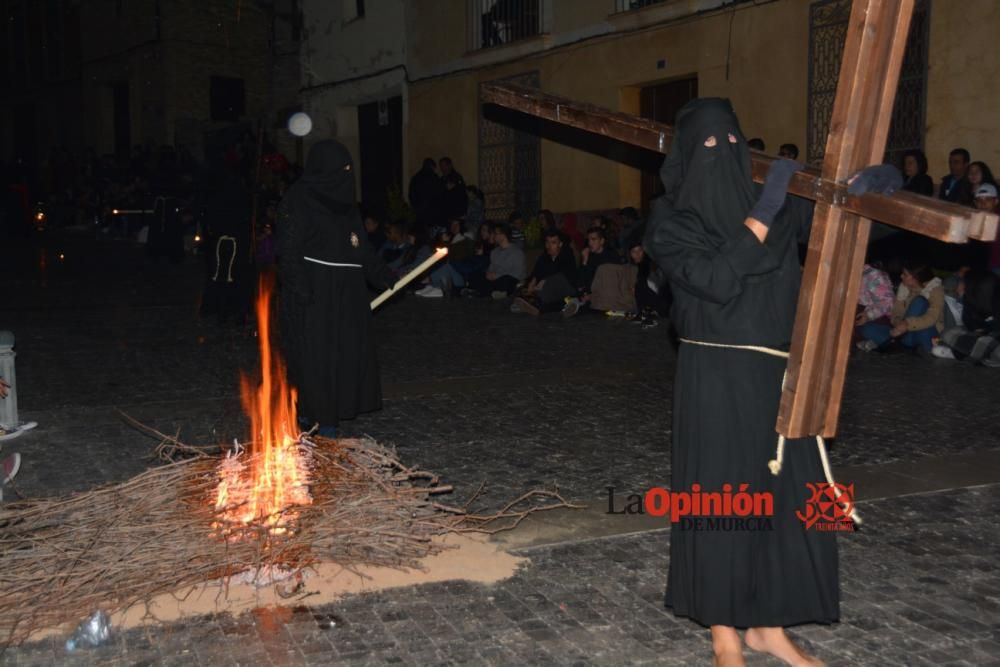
x=123, y=544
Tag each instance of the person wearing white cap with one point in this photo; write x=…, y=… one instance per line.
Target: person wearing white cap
x=987, y=200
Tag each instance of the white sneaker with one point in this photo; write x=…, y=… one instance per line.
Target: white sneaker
x=942, y=352
x=431, y=292
x=423, y=290
x=866, y=345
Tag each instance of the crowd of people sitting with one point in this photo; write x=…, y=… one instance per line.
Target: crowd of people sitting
x=542, y=265
x=939, y=301
x=947, y=303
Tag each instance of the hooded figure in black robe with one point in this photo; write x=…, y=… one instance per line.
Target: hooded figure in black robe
x=325, y=266
x=731, y=288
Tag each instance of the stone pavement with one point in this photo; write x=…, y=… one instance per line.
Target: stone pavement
x=475, y=393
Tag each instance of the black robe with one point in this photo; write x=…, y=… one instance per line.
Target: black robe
x=730, y=288
x=325, y=266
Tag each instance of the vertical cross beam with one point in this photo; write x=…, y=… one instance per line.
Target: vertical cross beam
x=873, y=56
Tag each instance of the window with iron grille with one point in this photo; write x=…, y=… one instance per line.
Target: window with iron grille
x=498, y=22
x=828, y=20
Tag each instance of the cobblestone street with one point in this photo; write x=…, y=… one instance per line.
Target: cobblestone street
x=478, y=394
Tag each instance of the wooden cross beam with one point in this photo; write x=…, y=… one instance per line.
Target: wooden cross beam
x=873, y=54
x=926, y=216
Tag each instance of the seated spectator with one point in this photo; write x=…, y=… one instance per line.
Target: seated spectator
x=631, y=226
x=395, y=246
x=610, y=235
x=987, y=200
x=979, y=174
x=917, y=314
x=567, y=224
x=915, y=173
x=552, y=281
x=977, y=337
x=474, y=214
x=506, y=269
x=648, y=302
x=376, y=237
x=595, y=255
x=874, y=300
x=789, y=151
x=418, y=249
x=516, y=223
x=955, y=186
x=443, y=279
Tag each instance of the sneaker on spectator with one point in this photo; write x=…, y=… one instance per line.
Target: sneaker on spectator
x=431, y=292
x=524, y=306
x=571, y=308
x=9, y=467
x=942, y=352
x=866, y=345
x=499, y=295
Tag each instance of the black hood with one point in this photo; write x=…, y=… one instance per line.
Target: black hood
x=329, y=175
x=710, y=185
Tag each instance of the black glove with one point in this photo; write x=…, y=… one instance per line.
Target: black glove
x=775, y=188
x=880, y=178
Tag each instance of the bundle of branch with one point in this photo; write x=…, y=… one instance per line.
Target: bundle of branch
x=159, y=532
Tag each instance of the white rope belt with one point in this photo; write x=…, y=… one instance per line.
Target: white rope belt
x=232, y=258
x=774, y=465
x=319, y=261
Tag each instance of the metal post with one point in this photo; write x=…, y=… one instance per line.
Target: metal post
x=8, y=406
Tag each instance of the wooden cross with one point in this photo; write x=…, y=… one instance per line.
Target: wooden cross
x=873, y=55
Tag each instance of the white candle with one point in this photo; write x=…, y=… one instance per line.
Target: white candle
x=409, y=277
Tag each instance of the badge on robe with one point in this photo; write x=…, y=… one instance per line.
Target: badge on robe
x=355, y=241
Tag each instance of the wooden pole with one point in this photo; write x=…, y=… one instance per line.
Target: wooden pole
x=821, y=340
x=927, y=216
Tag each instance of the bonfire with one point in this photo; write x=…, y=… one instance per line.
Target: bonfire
x=281, y=502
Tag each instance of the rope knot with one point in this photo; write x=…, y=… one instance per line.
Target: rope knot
x=775, y=466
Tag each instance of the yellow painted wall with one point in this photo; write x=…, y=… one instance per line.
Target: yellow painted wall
x=963, y=86
x=766, y=81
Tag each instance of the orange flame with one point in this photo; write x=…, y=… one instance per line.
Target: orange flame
x=278, y=479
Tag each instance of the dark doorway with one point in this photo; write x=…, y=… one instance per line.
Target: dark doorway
x=661, y=103
x=380, y=130
x=122, y=120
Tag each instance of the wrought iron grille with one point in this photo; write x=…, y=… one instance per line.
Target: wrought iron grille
x=828, y=21
x=510, y=173
x=497, y=22
x=629, y=5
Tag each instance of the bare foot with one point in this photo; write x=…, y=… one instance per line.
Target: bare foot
x=729, y=659
x=727, y=647
x=775, y=642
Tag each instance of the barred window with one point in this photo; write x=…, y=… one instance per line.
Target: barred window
x=498, y=22
x=828, y=21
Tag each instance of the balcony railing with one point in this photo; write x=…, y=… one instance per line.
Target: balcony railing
x=498, y=22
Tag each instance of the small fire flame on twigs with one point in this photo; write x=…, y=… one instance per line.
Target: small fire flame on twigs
x=260, y=488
